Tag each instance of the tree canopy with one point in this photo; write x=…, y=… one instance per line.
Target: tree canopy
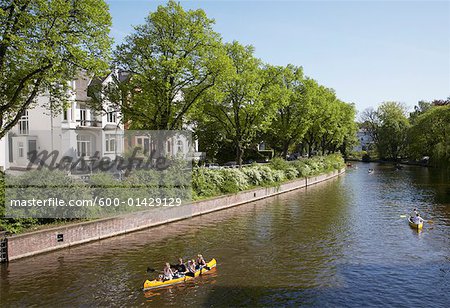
x=388, y=126
x=43, y=45
x=430, y=135
x=173, y=58
x=243, y=103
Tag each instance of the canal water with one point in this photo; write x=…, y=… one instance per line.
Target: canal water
x=344, y=242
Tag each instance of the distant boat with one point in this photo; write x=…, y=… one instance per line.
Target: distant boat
x=398, y=167
x=414, y=225
x=371, y=171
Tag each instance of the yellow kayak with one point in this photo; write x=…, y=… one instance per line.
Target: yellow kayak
x=414, y=225
x=153, y=284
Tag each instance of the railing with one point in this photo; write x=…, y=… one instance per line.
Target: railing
x=90, y=123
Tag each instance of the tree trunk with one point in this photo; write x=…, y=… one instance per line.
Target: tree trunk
x=285, y=149
x=239, y=155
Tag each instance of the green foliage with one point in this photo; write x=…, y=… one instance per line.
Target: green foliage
x=430, y=135
x=234, y=180
x=206, y=182
x=41, y=185
x=292, y=119
x=173, y=58
x=243, y=102
x=43, y=45
x=388, y=126
x=333, y=127
x=213, y=182
x=279, y=164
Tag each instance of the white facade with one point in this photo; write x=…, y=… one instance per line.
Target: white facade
x=3, y=161
x=364, y=140
x=78, y=132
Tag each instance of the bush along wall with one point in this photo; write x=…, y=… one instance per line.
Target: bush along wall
x=206, y=183
x=214, y=182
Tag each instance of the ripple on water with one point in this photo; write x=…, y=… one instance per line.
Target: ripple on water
x=341, y=243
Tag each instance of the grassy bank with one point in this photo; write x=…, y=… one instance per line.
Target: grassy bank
x=206, y=183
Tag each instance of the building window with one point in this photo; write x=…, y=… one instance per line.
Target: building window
x=180, y=146
x=111, y=116
x=84, y=145
x=24, y=126
x=21, y=149
x=110, y=143
x=83, y=117
x=65, y=113
x=144, y=144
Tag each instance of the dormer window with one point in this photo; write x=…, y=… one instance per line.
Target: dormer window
x=111, y=116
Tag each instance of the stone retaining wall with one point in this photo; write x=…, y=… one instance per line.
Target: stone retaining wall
x=32, y=243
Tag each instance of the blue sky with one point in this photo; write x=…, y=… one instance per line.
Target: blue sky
x=368, y=51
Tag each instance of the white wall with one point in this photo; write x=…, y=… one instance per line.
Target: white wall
x=3, y=154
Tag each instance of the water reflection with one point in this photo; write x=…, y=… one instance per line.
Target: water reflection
x=341, y=243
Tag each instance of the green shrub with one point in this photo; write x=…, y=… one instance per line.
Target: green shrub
x=279, y=164
x=206, y=182
x=302, y=167
x=291, y=173
x=278, y=176
x=253, y=175
x=234, y=180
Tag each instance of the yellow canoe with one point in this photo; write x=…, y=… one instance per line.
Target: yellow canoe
x=414, y=225
x=153, y=284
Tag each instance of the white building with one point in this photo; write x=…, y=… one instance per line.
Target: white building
x=78, y=131
x=365, y=141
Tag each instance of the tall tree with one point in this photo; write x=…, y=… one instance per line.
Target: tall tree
x=430, y=135
x=392, y=130
x=244, y=102
x=43, y=45
x=172, y=60
x=332, y=123
x=292, y=118
x=420, y=108
x=371, y=123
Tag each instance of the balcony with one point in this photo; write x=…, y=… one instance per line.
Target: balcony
x=89, y=123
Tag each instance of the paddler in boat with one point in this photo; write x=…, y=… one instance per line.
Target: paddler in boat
x=200, y=262
x=190, y=268
x=168, y=273
x=418, y=219
x=181, y=268
x=413, y=214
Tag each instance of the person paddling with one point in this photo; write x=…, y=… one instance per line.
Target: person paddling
x=418, y=219
x=190, y=268
x=413, y=214
x=200, y=261
x=168, y=273
x=181, y=268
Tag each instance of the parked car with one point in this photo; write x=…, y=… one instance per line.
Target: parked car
x=231, y=164
x=212, y=166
